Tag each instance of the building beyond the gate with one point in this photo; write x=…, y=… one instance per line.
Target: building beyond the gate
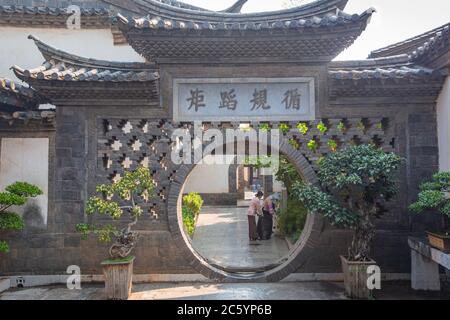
x=83, y=117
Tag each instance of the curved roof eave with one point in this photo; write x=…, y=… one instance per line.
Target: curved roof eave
x=316, y=8
x=339, y=19
x=52, y=53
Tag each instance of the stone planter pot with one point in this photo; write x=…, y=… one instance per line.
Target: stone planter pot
x=447, y=195
x=118, y=278
x=441, y=242
x=355, y=278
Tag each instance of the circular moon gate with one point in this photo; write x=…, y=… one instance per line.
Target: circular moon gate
x=297, y=257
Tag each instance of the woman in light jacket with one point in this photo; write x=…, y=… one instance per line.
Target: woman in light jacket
x=255, y=209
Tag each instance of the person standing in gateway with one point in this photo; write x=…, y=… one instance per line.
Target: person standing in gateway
x=255, y=209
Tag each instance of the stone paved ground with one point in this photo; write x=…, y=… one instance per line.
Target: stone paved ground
x=187, y=291
x=203, y=291
x=221, y=237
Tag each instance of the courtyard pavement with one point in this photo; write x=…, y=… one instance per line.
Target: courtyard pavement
x=226, y=292
x=221, y=237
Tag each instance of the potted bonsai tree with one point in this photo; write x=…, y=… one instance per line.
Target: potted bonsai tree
x=356, y=184
x=117, y=198
x=16, y=194
x=435, y=195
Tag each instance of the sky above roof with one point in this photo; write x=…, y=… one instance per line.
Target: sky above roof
x=395, y=20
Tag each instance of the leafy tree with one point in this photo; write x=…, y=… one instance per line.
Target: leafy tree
x=16, y=194
x=434, y=196
x=356, y=184
x=117, y=198
x=287, y=173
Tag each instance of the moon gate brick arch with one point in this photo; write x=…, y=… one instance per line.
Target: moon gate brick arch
x=123, y=144
x=303, y=251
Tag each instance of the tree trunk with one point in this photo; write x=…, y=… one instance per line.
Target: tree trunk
x=362, y=240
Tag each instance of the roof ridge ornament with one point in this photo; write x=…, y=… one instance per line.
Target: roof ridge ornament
x=237, y=7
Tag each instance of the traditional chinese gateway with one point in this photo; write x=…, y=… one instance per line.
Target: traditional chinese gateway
x=225, y=69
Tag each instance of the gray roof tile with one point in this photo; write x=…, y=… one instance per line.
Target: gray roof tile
x=62, y=66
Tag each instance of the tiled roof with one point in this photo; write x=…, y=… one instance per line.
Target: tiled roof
x=390, y=78
x=338, y=19
x=288, y=35
x=177, y=10
x=52, y=16
x=18, y=102
x=397, y=67
x=53, y=11
x=407, y=46
x=67, y=78
x=440, y=42
x=62, y=66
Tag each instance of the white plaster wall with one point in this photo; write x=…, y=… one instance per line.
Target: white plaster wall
x=443, y=119
x=17, y=49
x=26, y=160
x=277, y=185
x=209, y=179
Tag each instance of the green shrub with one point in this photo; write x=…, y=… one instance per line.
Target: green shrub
x=356, y=182
x=303, y=128
x=4, y=247
x=194, y=202
x=284, y=128
x=432, y=195
x=11, y=221
x=189, y=220
x=192, y=205
x=287, y=173
x=16, y=194
x=292, y=220
x=125, y=196
x=322, y=127
x=313, y=145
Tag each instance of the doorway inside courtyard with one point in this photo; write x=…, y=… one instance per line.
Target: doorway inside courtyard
x=215, y=205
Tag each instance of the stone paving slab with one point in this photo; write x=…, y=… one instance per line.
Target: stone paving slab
x=230, y=291
x=221, y=236
x=190, y=291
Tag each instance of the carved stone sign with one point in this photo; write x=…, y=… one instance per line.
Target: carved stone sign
x=244, y=99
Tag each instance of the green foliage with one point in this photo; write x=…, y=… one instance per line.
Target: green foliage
x=103, y=233
x=294, y=144
x=361, y=126
x=10, y=199
x=292, y=220
x=432, y=195
x=364, y=169
x=333, y=145
x=259, y=162
x=16, y=194
x=4, y=247
x=313, y=145
x=341, y=127
x=285, y=128
x=287, y=173
x=189, y=219
x=24, y=189
x=303, y=128
x=321, y=202
x=11, y=221
x=379, y=125
x=118, y=198
x=322, y=127
x=264, y=127
x=192, y=205
x=356, y=183
x=194, y=202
